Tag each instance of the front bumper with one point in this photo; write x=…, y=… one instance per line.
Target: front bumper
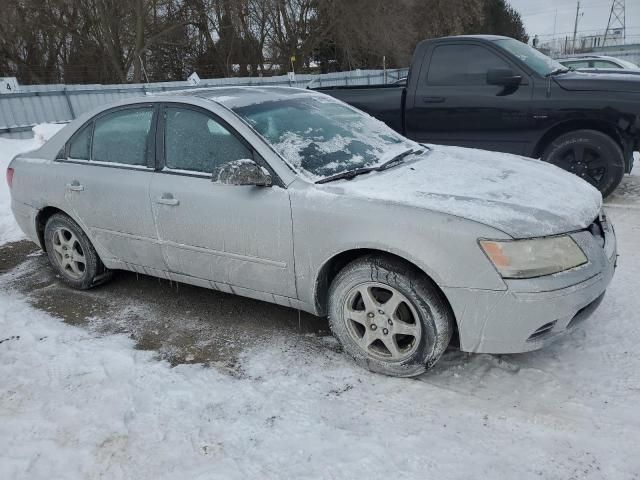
x=532, y=313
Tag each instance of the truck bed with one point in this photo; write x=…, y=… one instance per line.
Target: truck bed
x=381, y=101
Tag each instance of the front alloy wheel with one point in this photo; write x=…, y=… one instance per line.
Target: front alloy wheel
x=382, y=321
x=389, y=316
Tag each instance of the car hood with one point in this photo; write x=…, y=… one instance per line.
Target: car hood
x=593, y=82
x=520, y=196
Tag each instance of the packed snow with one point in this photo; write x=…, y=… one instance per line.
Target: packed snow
x=77, y=403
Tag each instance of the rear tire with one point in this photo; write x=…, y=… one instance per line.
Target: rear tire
x=389, y=317
x=72, y=255
x=589, y=154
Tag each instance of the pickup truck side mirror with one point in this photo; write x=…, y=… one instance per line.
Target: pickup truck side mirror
x=243, y=172
x=504, y=77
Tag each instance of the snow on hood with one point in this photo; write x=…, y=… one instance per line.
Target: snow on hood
x=520, y=196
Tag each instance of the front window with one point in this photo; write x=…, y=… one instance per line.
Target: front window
x=195, y=142
x=534, y=59
x=462, y=65
x=321, y=137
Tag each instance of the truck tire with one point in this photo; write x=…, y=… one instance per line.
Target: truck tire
x=72, y=255
x=389, y=317
x=589, y=154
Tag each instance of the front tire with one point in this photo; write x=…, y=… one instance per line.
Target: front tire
x=389, y=317
x=591, y=155
x=72, y=255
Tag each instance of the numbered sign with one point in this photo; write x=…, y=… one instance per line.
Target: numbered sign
x=8, y=85
x=193, y=79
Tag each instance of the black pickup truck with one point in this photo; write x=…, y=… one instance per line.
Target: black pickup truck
x=499, y=94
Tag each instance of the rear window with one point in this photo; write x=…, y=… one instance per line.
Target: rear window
x=122, y=136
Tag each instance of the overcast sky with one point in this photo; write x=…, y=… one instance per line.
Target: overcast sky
x=539, y=17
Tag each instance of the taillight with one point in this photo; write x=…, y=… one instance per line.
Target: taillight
x=10, y=177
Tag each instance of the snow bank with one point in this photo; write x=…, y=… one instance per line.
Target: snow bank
x=9, y=148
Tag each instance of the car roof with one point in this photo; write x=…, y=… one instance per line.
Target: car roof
x=476, y=37
x=588, y=57
x=241, y=96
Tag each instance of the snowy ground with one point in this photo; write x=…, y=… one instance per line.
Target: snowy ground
x=118, y=395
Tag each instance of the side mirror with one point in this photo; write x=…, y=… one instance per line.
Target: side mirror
x=504, y=77
x=243, y=172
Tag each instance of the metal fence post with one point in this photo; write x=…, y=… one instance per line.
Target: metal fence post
x=69, y=105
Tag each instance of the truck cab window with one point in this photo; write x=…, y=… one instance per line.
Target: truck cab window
x=462, y=65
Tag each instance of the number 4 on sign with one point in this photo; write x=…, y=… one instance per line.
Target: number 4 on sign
x=8, y=85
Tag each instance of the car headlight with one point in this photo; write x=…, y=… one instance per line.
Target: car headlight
x=533, y=257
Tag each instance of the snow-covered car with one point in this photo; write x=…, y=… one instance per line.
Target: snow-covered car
x=600, y=64
x=293, y=197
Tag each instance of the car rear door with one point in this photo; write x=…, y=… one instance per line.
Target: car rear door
x=106, y=174
x=229, y=235
x=454, y=104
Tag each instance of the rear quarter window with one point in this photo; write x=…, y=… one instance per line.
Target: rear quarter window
x=81, y=143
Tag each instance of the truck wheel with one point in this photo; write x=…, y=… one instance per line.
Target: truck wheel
x=72, y=255
x=389, y=317
x=589, y=154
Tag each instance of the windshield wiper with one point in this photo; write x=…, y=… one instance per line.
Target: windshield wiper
x=397, y=159
x=348, y=175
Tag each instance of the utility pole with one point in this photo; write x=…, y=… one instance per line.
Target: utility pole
x=616, y=21
x=575, y=29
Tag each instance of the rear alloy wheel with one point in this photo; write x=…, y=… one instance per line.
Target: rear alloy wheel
x=71, y=253
x=591, y=155
x=389, y=316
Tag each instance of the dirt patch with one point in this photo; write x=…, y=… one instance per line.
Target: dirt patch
x=13, y=254
x=182, y=323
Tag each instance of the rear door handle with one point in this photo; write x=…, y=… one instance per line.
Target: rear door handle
x=433, y=99
x=75, y=186
x=167, y=199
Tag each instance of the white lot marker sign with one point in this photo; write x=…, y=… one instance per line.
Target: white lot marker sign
x=8, y=85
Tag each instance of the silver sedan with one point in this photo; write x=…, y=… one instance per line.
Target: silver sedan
x=292, y=197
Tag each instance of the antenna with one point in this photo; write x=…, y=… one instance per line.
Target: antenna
x=616, y=24
x=575, y=28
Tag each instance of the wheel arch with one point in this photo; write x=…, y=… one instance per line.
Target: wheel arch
x=44, y=214
x=338, y=261
x=579, y=124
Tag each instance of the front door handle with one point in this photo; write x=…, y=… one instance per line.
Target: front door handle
x=433, y=99
x=75, y=186
x=167, y=199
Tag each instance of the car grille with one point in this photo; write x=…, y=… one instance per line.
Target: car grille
x=597, y=231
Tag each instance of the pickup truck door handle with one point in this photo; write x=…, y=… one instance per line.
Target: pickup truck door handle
x=75, y=186
x=433, y=99
x=167, y=199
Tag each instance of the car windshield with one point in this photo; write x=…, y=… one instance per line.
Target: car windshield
x=534, y=59
x=321, y=137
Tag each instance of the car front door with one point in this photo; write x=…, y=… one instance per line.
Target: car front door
x=454, y=104
x=106, y=174
x=230, y=235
